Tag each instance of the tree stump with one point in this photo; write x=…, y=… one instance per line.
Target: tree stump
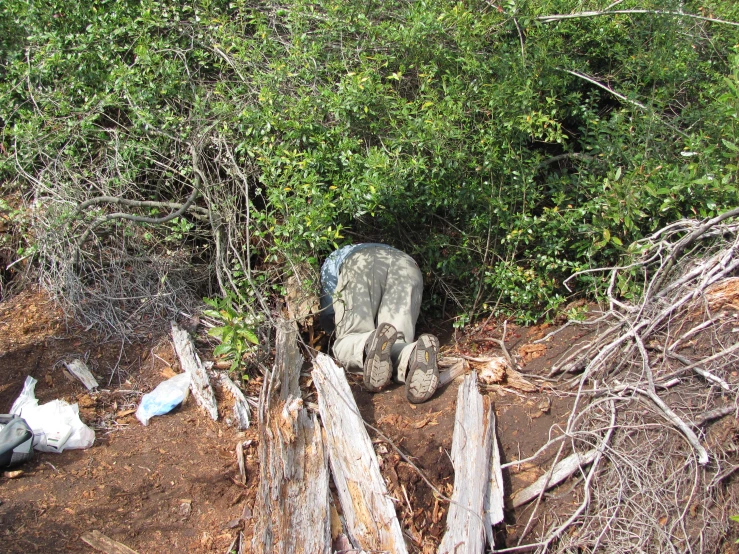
x=292, y=508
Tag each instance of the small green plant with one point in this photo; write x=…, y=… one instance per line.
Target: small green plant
x=735, y=518
x=237, y=334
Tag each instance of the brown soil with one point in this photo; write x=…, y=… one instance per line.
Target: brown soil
x=424, y=432
x=168, y=487
x=172, y=486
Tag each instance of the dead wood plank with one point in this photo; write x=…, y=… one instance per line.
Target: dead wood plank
x=494, y=503
x=471, y=448
x=241, y=407
x=105, y=544
x=292, y=508
x=190, y=362
x=562, y=470
x=79, y=369
x=370, y=517
x=451, y=368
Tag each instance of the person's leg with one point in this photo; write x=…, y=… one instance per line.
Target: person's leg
x=355, y=306
x=401, y=304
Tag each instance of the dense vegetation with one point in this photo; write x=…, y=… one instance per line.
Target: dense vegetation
x=503, y=150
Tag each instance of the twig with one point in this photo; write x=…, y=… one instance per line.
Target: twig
x=673, y=418
x=716, y=413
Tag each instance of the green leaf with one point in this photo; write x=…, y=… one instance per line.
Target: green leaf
x=250, y=336
x=216, y=332
x=212, y=313
x=222, y=350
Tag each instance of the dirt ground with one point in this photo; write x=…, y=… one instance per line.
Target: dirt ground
x=173, y=487
x=167, y=487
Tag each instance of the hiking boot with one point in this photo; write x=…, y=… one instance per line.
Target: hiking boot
x=378, y=367
x=423, y=373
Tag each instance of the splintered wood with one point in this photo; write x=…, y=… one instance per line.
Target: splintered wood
x=477, y=498
x=190, y=362
x=292, y=506
x=241, y=407
x=368, y=510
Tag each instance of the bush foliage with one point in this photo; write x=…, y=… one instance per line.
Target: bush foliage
x=502, y=150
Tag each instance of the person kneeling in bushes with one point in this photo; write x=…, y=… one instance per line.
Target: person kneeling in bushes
x=371, y=297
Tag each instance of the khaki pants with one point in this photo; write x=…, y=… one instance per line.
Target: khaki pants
x=376, y=285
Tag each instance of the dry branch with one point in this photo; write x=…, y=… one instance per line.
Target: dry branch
x=561, y=471
x=643, y=489
x=371, y=521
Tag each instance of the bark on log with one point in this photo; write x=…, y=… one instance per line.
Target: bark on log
x=190, y=362
x=369, y=513
x=241, y=407
x=471, y=448
x=292, y=507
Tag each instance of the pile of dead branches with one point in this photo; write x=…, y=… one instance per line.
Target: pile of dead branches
x=654, y=384
x=120, y=262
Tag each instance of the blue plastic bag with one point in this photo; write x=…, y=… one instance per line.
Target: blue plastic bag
x=164, y=398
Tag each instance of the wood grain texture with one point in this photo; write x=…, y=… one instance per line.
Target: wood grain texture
x=369, y=513
x=292, y=513
x=471, y=448
x=241, y=411
x=494, y=503
x=190, y=362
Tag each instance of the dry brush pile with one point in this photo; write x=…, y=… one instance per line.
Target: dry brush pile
x=655, y=402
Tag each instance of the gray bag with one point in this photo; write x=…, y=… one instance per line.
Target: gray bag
x=16, y=441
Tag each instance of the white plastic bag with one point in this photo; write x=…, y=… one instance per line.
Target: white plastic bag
x=164, y=397
x=56, y=425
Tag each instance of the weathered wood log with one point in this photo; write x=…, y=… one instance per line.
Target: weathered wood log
x=494, y=503
x=561, y=471
x=242, y=419
x=370, y=517
x=190, y=362
x=292, y=506
x=471, y=448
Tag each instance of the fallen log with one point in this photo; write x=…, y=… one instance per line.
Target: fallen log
x=466, y=521
x=241, y=407
x=190, y=362
x=561, y=471
x=292, y=507
x=371, y=521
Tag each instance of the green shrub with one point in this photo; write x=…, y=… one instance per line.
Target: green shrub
x=456, y=131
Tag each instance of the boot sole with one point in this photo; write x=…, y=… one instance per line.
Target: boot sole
x=378, y=367
x=423, y=374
